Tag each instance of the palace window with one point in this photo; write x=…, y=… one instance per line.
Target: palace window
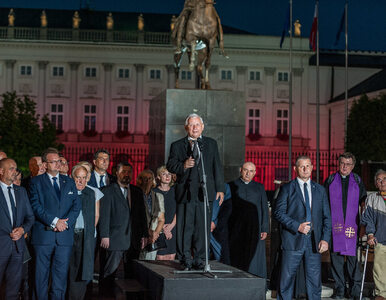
x=226, y=74
x=186, y=75
x=283, y=76
x=123, y=118
x=89, y=118
x=254, y=75
x=282, y=121
x=57, y=116
x=123, y=73
x=57, y=71
x=90, y=72
x=253, y=121
x=26, y=70
x=155, y=74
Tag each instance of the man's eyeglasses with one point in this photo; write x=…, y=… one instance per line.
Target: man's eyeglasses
x=380, y=180
x=54, y=162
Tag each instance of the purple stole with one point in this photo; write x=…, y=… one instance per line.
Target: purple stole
x=344, y=231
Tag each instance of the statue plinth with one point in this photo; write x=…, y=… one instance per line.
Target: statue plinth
x=223, y=113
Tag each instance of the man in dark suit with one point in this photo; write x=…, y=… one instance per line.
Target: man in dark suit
x=100, y=177
x=185, y=161
x=82, y=257
x=16, y=217
x=122, y=222
x=303, y=212
x=56, y=205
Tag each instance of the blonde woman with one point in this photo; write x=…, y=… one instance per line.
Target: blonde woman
x=155, y=212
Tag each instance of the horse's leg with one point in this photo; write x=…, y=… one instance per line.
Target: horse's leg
x=209, y=52
x=200, y=60
x=192, y=55
x=177, y=63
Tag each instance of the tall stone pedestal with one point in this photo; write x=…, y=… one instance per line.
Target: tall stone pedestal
x=223, y=113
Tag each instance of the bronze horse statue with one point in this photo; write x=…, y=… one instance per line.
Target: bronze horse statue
x=196, y=31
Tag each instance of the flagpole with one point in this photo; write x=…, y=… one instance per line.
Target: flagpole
x=346, y=75
x=290, y=100
x=317, y=97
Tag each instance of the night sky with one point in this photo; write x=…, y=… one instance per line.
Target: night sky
x=367, y=21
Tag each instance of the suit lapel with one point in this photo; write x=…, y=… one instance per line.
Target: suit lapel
x=119, y=193
x=299, y=193
x=3, y=203
x=18, y=202
x=63, y=182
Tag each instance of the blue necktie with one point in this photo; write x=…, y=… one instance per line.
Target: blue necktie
x=13, y=207
x=308, y=206
x=101, y=183
x=56, y=187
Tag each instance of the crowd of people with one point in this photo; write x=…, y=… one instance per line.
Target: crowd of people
x=56, y=227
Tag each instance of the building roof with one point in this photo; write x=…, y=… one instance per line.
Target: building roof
x=374, y=83
x=92, y=19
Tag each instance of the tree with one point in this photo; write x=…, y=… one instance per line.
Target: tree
x=366, y=128
x=21, y=135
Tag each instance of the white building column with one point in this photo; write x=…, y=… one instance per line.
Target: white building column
x=300, y=109
x=106, y=115
x=72, y=134
x=269, y=84
x=41, y=93
x=139, y=68
x=9, y=75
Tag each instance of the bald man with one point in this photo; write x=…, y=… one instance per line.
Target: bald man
x=2, y=154
x=248, y=224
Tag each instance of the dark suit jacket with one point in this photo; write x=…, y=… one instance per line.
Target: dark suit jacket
x=110, y=179
x=290, y=211
x=123, y=225
x=180, y=151
x=24, y=218
x=46, y=206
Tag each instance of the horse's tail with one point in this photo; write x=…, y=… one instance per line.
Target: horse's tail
x=220, y=36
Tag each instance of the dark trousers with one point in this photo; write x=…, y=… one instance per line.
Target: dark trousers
x=54, y=258
x=191, y=231
x=76, y=286
x=290, y=264
x=353, y=272
x=11, y=267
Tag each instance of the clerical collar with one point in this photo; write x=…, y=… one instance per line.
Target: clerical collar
x=245, y=181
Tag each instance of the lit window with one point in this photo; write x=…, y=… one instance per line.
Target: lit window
x=89, y=117
x=123, y=118
x=90, y=72
x=282, y=121
x=57, y=116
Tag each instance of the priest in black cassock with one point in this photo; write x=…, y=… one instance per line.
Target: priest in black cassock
x=248, y=224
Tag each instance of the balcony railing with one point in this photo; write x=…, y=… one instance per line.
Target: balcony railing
x=84, y=35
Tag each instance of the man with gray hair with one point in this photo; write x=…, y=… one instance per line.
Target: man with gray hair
x=374, y=218
x=185, y=160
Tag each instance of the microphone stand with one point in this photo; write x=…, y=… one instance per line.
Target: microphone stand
x=207, y=269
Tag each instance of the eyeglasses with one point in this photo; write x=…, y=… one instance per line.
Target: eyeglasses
x=346, y=164
x=54, y=162
x=63, y=162
x=380, y=180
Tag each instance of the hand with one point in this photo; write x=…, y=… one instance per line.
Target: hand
x=263, y=236
x=189, y=163
x=105, y=243
x=168, y=235
x=212, y=226
x=154, y=237
x=371, y=240
x=305, y=227
x=323, y=246
x=221, y=196
x=17, y=233
x=144, y=242
x=61, y=225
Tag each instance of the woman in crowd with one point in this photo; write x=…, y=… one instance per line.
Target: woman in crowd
x=165, y=188
x=155, y=212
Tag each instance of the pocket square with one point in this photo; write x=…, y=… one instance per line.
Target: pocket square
x=70, y=193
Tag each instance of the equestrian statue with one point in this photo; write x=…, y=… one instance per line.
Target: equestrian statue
x=196, y=31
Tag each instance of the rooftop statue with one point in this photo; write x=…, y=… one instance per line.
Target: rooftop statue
x=196, y=31
x=11, y=18
x=141, y=23
x=110, y=21
x=43, y=19
x=76, y=20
